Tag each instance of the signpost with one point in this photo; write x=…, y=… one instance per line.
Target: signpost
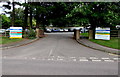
x=102, y=33
x=15, y=32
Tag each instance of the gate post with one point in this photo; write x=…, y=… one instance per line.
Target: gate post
x=37, y=32
x=90, y=34
x=77, y=34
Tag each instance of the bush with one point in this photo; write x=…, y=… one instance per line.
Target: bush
x=31, y=34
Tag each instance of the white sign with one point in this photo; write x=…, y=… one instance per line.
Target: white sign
x=15, y=32
x=102, y=33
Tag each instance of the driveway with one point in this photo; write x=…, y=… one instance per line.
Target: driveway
x=58, y=54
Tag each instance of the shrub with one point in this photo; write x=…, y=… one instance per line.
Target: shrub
x=31, y=34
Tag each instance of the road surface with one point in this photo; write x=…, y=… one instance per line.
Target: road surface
x=57, y=54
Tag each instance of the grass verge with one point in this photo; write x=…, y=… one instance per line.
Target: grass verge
x=6, y=40
x=113, y=43
x=84, y=34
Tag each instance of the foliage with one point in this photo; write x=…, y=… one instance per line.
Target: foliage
x=31, y=34
x=96, y=14
x=19, y=17
x=5, y=21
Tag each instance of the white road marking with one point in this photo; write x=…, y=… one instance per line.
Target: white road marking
x=116, y=58
x=83, y=60
x=60, y=56
x=93, y=58
x=50, y=52
x=50, y=59
x=33, y=58
x=25, y=57
x=72, y=57
x=96, y=60
x=109, y=60
x=74, y=60
x=59, y=59
x=105, y=58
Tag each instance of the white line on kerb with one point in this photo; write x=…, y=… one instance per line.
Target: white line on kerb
x=50, y=52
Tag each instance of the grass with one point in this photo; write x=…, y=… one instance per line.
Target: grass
x=6, y=40
x=84, y=34
x=113, y=43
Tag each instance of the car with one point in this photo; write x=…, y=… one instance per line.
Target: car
x=55, y=30
x=66, y=30
x=61, y=30
x=2, y=30
x=83, y=30
x=48, y=30
x=8, y=29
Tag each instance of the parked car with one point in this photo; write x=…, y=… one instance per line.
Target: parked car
x=61, y=30
x=2, y=30
x=8, y=29
x=66, y=30
x=83, y=30
x=55, y=30
x=48, y=30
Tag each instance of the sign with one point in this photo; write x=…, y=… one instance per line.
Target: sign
x=102, y=33
x=15, y=32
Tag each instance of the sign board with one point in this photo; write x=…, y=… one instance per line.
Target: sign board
x=102, y=33
x=15, y=32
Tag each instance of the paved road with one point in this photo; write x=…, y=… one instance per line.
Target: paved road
x=58, y=54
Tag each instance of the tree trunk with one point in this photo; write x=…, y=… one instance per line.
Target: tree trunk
x=13, y=14
x=30, y=17
x=26, y=16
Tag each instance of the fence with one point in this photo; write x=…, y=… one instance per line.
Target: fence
x=114, y=33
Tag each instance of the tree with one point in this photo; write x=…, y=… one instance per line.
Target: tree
x=97, y=14
x=19, y=20
x=5, y=21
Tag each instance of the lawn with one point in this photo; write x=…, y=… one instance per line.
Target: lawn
x=113, y=43
x=6, y=40
x=84, y=34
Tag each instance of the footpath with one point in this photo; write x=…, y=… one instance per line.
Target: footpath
x=95, y=46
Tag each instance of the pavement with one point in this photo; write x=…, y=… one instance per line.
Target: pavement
x=95, y=46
